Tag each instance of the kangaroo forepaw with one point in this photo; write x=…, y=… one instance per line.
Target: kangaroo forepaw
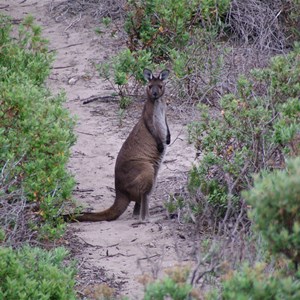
x=168, y=140
x=160, y=148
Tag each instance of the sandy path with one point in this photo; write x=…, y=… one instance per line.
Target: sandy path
x=121, y=248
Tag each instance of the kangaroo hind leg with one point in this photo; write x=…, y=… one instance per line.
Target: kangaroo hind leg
x=136, y=209
x=144, y=184
x=144, y=208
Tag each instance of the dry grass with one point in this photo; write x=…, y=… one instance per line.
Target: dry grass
x=15, y=213
x=113, y=9
x=258, y=23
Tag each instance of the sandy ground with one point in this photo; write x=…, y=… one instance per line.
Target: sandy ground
x=117, y=252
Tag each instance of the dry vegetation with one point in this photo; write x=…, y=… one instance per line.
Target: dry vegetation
x=15, y=213
x=252, y=32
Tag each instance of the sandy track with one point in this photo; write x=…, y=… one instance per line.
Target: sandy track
x=120, y=250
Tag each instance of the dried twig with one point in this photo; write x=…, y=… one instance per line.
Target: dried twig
x=73, y=23
x=62, y=67
x=71, y=45
x=101, y=98
x=257, y=22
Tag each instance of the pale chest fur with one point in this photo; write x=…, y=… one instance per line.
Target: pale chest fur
x=159, y=120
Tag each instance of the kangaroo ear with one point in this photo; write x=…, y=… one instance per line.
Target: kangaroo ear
x=164, y=74
x=148, y=74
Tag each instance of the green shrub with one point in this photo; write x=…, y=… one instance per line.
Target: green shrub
x=26, y=57
x=173, y=286
x=167, y=287
x=198, y=68
x=158, y=26
x=275, y=202
x=274, y=209
x=35, y=129
x=125, y=72
x=159, y=32
x=291, y=20
x=32, y=273
x=256, y=128
x=256, y=283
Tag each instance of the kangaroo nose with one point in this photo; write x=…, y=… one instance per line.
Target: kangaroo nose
x=155, y=94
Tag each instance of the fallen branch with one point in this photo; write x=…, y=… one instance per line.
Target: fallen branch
x=88, y=244
x=107, y=98
x=102, y=98
x=73, y=23
x=72, y=45
x=83, y=190
x=62, y=67
x=148, y=257
x=86, y=133
x=117, y=254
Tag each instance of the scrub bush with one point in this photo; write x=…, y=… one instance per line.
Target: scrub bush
x=257, y=128
x=256, y=283
x=275, y=206
x=33, y=273
x=36, y=131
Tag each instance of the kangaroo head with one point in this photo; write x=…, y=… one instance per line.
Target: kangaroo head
x=156, y=85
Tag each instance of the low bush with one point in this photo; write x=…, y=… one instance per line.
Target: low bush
x=254, y=129
x=275, y=206
x=274, y=210
x=173, y=286
x=125, y=72
x=32, y=273
x=158, y=34
x=167, y=287
x=160, y=26
x=257, y=283
x=35, y=130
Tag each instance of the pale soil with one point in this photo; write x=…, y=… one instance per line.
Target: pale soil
x=117, y=252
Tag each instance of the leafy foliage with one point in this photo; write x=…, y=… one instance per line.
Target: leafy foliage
x=160, y=26
x=158, y=32
x=167, y=287
x=275, y=202
x=255, y=283
x=123, y=68
x=274, y=209
x=256, y=128
x=35, y=129
x=32, y=273
x=173, y=286
x=27, y=57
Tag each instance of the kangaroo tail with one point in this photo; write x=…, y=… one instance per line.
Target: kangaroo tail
x=110, y=214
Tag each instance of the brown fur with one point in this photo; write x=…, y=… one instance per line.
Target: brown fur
x=140, y=156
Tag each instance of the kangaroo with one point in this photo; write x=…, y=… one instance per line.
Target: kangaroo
x=140, y=156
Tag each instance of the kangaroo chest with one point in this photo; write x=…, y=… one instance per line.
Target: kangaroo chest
x=159, y=120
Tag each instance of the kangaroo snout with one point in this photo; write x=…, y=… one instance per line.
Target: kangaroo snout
x=156, y=91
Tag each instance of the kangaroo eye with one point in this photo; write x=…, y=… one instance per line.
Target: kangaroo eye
x=150, y=86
